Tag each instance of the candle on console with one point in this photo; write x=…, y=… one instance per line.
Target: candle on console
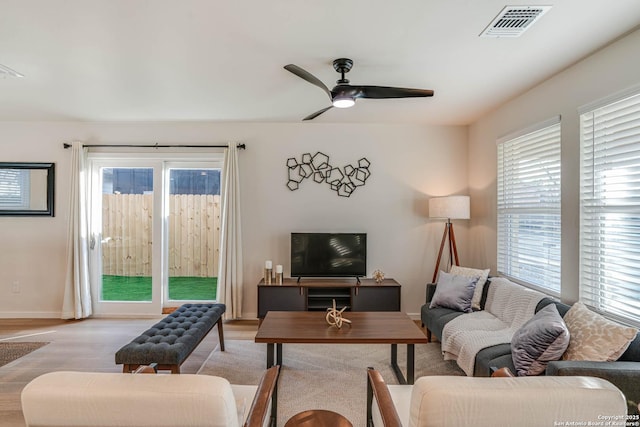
x=267, y=272
x=278, y=268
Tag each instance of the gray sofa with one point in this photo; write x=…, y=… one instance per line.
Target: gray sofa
x=624, y=373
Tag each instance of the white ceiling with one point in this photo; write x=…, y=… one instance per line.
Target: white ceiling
x=151, y=60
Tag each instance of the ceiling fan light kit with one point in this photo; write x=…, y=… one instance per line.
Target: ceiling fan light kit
x=344, y=95
x=343, y=102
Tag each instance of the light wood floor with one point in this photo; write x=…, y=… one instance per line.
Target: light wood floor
x=85, y=345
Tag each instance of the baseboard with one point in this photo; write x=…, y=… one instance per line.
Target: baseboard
x=30, y=315
x=249, y=316
x=126, y=316
x=414, y=316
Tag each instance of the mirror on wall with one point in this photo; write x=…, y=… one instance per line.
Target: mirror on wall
x=27, y=189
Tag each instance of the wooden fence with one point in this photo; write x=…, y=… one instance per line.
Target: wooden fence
x=194, y=235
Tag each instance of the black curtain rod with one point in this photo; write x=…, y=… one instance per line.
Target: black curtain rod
x=240, y=146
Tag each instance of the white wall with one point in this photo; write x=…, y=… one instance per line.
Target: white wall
x=612, y=69
x=409, y=164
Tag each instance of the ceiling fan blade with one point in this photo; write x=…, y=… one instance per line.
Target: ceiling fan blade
x=304, y=74
x=382, y=92
x=317, y=113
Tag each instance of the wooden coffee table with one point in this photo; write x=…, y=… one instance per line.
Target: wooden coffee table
x=309, y=327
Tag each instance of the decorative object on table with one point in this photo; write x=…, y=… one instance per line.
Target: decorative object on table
x=450, y=207
x=268, y=270
x=378, y=276
x=334, y=316
x=343, y=180
x=279, y=275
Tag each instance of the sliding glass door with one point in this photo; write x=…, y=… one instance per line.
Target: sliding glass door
x=193, y=232
x=155, y=233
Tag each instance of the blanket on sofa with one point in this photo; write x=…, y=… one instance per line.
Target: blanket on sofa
x=508, y=307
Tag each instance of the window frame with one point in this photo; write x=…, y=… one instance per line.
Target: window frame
x=547, y=216
x=43, y=197
x=605, y=284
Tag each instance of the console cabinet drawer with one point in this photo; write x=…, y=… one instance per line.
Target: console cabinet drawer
x=381, y=298
x=281, y=298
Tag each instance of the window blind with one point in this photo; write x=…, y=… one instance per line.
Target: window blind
x=610, y=209
x=14, y=189
x=529, y=208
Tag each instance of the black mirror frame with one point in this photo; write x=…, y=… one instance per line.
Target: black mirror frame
x=51, y=183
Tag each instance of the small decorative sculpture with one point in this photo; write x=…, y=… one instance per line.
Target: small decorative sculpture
x=378, y=276
x=334, y=316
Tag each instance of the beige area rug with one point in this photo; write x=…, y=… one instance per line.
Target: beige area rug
x=10, y=351
x=322, y=376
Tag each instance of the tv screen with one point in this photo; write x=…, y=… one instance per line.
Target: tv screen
x=328, y=254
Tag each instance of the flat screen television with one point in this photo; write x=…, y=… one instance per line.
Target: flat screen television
x=328, y=254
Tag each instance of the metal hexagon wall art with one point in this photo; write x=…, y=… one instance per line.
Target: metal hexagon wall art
x=343, y=181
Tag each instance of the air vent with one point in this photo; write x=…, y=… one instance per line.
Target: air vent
x=8, y=72
x=512, y=21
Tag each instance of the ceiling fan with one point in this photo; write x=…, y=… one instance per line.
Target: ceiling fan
x=344, y=95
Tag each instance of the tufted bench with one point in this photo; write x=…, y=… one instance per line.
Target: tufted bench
x=170, y=341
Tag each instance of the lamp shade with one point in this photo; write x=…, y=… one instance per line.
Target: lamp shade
x=450, y=207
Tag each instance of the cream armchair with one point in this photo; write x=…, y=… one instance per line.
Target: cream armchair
x=113, y=399
x=451, y=401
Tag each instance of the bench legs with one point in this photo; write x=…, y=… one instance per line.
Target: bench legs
x=220, y=333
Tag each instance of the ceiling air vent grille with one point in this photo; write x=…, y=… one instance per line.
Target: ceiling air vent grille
x=8, y=72
x=512, y=21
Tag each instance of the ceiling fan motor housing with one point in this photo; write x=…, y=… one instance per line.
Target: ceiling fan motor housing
x=343, y=66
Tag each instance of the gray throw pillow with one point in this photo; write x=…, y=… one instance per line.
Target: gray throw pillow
x=542, y=339
x=454, y=292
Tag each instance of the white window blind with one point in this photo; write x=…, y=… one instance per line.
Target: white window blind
x=529, y=208
x=14, y=189
x=610, y=209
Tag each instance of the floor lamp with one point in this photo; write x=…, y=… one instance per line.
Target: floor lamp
x=450, y=207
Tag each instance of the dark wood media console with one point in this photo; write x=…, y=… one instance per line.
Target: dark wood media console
x=318, y=294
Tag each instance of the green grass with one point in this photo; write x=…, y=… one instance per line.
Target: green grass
x=124, y=288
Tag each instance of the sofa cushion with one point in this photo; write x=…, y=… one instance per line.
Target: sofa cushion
x=461, y=401
x=632, y=354
x=482, y=276
x=437, y=317
x=454, y=292
x=144, y=400
x=496, y=356
x=562, y=308
x=594, y=337
x=542, y=339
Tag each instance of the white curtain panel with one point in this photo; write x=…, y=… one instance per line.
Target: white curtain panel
x=77, y=290
x=230, y=262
